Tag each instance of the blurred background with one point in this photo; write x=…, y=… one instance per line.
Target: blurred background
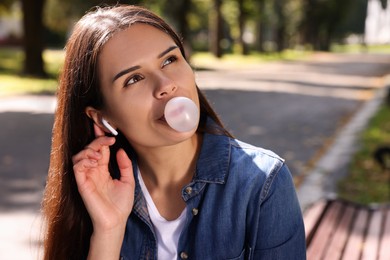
x=220, y=27
x=287, y=75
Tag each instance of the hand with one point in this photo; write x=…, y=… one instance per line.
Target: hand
x=108, y=201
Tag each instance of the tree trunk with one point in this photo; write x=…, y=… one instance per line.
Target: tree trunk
x=281, y=26
x=184, y=8
x=216, y=33
x=241, y=22
x=182, y=13
x=33, y=37
x=310, y=24
x=261, y=26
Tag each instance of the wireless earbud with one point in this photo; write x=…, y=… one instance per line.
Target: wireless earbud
x=109, y=127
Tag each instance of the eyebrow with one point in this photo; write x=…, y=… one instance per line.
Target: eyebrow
x=123, y=72
x=167, y=51
x=126, y=71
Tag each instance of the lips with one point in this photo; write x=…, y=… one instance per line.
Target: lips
x=162, y=118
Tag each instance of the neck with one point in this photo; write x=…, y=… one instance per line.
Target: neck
x=170, y=165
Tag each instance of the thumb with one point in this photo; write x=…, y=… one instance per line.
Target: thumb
x=125, y=167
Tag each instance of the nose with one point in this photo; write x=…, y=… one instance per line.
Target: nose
x=164, y=87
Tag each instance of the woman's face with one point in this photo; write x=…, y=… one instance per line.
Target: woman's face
x=140, y=70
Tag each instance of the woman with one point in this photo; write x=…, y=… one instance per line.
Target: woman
x=153, y=192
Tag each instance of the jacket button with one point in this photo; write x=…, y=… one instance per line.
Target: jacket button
x=195, y=211
x=188, y=190
x=183, y=255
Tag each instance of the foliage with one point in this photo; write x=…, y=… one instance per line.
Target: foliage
x=5, y=5
x=322, y=20
x=367, y=182
x=247, y=25
x=354, y=19
x=11, y=61
x=282, y=23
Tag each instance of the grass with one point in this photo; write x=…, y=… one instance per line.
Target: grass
x=13, y=85
x=367, y=182
x=358, y=48
x=206, y=60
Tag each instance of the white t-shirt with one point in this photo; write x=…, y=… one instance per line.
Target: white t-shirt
x=167, y=232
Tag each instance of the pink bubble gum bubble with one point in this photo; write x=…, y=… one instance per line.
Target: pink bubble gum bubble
x=181, y=114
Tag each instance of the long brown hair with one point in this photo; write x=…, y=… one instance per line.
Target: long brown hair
x=68, y=225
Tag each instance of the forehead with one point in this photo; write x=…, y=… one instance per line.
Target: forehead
x=132, y=46
x=135, y=46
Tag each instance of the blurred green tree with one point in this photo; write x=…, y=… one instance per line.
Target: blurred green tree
x=221, y=25
x=32, y=35
x=280, y=34
x=261, y=25
x=321, y=20
x=354, y=22
x=5, y=4
x=242, y=19
x=60, y=16
x=176, y=13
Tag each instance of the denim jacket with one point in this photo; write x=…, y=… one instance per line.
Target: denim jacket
x=241, y=204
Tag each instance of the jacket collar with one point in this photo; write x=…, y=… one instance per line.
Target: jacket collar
x=214, y=159
x=212, y=165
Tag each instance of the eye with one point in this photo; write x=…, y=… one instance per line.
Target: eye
x=170, y=60
x=133, y=79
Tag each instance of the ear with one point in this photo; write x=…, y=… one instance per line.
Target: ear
x=94, y=114
x=97, y=117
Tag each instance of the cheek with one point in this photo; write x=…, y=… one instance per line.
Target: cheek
x=187, y=77
x=128, y=113
x=119, y=110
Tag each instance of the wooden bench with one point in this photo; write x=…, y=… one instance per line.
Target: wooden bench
x=337, y=229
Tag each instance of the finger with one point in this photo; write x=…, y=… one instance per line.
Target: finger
x=105, y=150
x=125, y=167
x=87, y=153
x=97, y=149
x=97, y=144
x=98, y=131
x=84, y=165
x=80, y=171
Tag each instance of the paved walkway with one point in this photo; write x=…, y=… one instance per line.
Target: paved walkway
x=301, y=110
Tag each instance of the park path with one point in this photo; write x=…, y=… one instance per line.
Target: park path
x=296, y=109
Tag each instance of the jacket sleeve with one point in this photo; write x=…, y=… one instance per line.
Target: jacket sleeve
x=281, y=233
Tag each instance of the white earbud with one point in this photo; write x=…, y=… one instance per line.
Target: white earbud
x=109, y=127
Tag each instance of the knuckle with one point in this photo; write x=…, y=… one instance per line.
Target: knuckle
x=76, y=167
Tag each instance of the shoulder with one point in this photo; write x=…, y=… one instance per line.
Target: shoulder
x=227, y=159
x=257, y=167
x=257, y=159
